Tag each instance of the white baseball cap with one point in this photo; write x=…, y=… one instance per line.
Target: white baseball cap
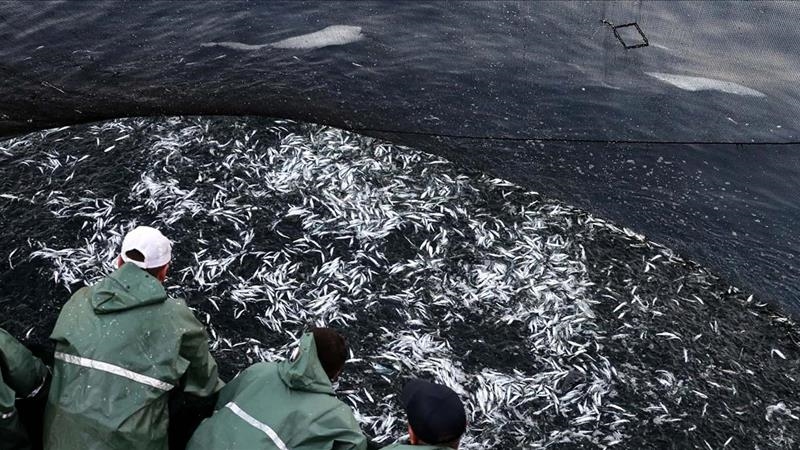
x=155, y=247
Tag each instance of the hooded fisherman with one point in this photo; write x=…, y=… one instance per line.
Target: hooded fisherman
x=121, y=346
x=286, y=405
x=22, y=376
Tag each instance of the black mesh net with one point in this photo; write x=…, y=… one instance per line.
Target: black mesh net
x=679, y=120
x=545, y=93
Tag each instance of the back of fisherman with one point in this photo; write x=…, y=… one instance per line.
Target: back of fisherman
x=121, y=346
x=286, y=405
x=22, y=375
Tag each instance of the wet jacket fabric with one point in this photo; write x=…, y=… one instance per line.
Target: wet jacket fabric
x=22, y=375
x=121, y=346
x=279, y=406
x=415, y=447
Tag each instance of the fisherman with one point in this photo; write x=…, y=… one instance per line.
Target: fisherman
x=286, y=405
x=436, y=417
x=121, y=346
x=22, y=376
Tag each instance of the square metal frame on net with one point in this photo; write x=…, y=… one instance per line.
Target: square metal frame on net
x=645, y=42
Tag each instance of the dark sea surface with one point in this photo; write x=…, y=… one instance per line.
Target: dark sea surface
x=513, y=70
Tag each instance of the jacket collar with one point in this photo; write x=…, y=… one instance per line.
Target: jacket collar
x=126, y=288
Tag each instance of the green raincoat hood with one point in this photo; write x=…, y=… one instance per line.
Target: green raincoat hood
x=274, y=406
x=304, y=372
x=127, y=288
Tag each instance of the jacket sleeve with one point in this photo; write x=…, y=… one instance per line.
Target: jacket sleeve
x=350, y=436
x=201, y=377
x=12, y=433
x=22, y=372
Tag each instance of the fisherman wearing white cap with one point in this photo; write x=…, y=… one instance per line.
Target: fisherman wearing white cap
x=121, y=346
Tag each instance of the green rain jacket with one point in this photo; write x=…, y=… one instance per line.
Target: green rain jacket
x=121, y=346
x=22, y=375
x=279, y=406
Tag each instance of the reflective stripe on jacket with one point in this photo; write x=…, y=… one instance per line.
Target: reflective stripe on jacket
x=121, y=345
x=278, y=406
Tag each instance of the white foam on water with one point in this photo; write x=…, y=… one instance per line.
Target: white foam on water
x=689, y=83
x=326, y=37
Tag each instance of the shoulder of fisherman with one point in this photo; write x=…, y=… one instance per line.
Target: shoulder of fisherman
x=22, y=375
x=121, y=346
x=282, y=405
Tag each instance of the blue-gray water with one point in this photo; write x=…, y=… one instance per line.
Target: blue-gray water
x=550, y=70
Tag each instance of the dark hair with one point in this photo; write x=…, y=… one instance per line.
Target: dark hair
x=136, y=255
x=331, y=350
